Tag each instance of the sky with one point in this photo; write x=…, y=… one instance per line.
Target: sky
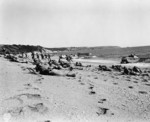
x=65, y=23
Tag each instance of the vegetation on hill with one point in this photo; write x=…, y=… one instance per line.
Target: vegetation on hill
x=99, y=51
x=20, y=48
x=112, y=51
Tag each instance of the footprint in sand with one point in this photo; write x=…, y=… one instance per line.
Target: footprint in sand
x=36, y=88
x=38, y=82
x=32, y=96
x=27, y=95
x=115, y=83
x=117, y=78
x=147, y=84
x=45, y=121
x=135, y=81
x=131, y=87
x=29, y=87
x=128, y=79
x=143, y=92
x=40, y=79
x=103, y=111
x=28, y=84
x=23, y=68
x=39, y=107
x=82, y=83
x=95, y=77
x=16, y=111
x=91, y=87
x=101, y=100
x=79, y=80
x=18, y=99
x=144, y=80
x=13, y=101
x=92, y=92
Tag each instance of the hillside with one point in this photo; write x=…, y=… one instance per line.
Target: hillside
x=20, y=48
x=100, y=51
x=112, y=51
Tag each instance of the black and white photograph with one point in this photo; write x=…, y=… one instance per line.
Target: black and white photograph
x=74, y=61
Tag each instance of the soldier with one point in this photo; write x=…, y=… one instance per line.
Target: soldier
x=104, y=68
x=49, y=56
x=42, y=56
x=4, y=51
x=126, y=71
x=136, y=69
x=78, y=64
x=33, y=55
x=37, y=55
x=45, y=55
x=25, y=55
x=68, y=58
x=46, y=70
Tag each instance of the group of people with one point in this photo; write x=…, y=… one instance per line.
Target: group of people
x=124, y=70
x=40, y=55
x=54, y=67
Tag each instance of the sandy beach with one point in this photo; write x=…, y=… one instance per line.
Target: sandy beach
x=91, y=96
